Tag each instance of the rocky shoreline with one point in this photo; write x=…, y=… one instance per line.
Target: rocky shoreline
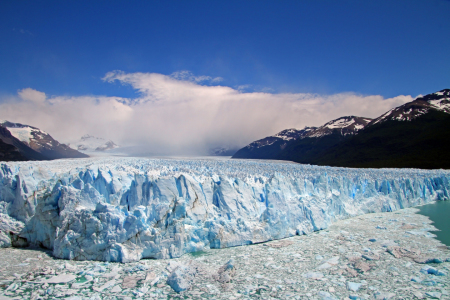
x=374, y=256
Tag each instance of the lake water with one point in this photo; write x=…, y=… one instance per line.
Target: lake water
x=439, y=213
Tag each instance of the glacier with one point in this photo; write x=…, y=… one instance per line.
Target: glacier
x=126, y=209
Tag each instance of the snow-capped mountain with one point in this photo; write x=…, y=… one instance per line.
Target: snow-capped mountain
x=12, y=149
x=439, y=101
x=28, y=134
x=270, y=147
x=345, y=125
x=89, y=143
x=40, y=141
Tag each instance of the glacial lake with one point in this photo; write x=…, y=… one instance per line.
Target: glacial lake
x=439, y=213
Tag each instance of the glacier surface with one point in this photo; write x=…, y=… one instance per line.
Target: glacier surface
x=126, y=209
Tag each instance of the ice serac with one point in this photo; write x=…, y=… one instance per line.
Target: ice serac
x=126, y=209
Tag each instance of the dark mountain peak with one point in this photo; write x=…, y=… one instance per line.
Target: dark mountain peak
x=441, y=95
x=421, y=105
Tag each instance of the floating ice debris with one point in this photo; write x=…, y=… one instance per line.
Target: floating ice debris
x=107, y=285
x=61, y=278
x=181, y=278
x=353, y=286
x=370, y=256
x=217, y=279
x=313, y=275
x=434, y=295
x=384, y=295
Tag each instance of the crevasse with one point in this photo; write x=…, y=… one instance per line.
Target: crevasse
x=126, y=209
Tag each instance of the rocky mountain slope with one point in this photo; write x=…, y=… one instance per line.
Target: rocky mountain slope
x=422, y=142
x=43, y=145
x=10, y=152
x=412, y=135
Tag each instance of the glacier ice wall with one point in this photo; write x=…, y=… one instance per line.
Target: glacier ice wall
x=126, y=209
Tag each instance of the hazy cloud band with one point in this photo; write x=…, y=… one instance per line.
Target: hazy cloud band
x=176, y=114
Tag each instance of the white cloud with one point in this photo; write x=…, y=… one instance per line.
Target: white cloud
x=173, y=115
x=32, y=95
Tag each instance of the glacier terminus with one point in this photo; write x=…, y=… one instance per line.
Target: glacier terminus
x=127, y=209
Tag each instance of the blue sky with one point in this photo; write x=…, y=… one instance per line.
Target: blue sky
x=370, y=47
x=199, y=74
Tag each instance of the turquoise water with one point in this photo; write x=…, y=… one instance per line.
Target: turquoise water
x=439, y=213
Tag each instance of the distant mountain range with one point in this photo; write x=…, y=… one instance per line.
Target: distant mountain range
x=222, y=151
x=413, y=135
x=89, y=143
x=25, y=142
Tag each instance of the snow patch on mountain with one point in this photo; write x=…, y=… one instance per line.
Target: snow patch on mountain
x=25, y=133
x=340, y=123
x=22, y=134
x=443, y=104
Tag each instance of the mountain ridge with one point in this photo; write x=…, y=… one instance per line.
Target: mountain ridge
x=271, y=147
x=334, y=147
x=419, y=106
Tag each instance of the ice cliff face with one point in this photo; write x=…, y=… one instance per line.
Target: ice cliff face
x=126, y=209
